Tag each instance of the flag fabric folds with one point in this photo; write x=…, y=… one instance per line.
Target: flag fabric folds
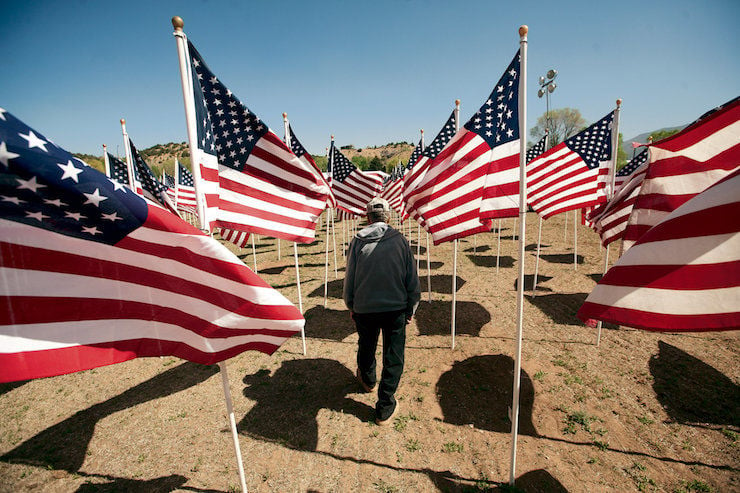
x=537, y=149
x=94, y=274
x=683, y=274
x=151, y=188
x=418, y=164
x=169, y=182
x=262, y=186
x=450, y=195
x=393, y=189
x=686, y=164
x=572, y=174
x=624, y=173
x=186, y=201
x=352, y=188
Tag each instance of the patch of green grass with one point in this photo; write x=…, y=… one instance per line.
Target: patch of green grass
x=413, y=445
x=571, y=379
x=575, y=419
x=383, y=487
x=539, y=376
x=399, y=424
x=559, y=362
x=450, y=447
x=732, y=435
x=645, y=420
x=694, y=486
x=606, y=392
x=642, y=481
x=593, y=460
x=601, y=445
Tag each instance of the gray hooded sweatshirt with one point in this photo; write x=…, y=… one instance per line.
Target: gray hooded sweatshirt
x=381, y=272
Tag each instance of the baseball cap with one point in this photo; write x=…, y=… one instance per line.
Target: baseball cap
x=378, y=205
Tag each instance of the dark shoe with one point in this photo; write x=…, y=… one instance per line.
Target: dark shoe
x=384, y=422
x=364, y=386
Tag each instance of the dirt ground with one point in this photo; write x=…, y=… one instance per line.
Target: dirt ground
x=640, y=412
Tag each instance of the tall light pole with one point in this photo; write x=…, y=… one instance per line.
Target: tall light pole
x=547, y=87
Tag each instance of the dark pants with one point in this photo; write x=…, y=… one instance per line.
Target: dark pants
x=393, y=325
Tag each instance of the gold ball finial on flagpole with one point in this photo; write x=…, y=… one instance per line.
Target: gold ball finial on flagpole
x=178, y=23
x=421, y=130
x=285, y=115
x=619, y=103
x=123, y=121
x=523, y=30
x=457, y=102
x=332, y=137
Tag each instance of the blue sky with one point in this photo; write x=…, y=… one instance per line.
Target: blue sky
x=368, y=72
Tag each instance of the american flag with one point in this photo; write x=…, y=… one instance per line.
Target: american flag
x=238, y=238
x=393, y=189
x=609, y=220
x=94, y=274
x=303, y=155
x=450, y=195
x=537, y=149
x=352, y=188
x=186, y=201
x=171, y=191
x=684, y=165
x=572, y=174
x=417, y=167
x=152, y=188
x=263, y=187
x=118, y=169
x=626, y=171
x=683, y=274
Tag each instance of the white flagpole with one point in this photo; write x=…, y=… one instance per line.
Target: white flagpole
x=187, y=94
x=522, y=213
x=613, y=178
x=105, y=160
x=286, y=125
x=537, y=261
x=575, y=239
x=328, y=215
x=177, y=180
x=129, y=157
x=232, y=424
x=429, y=272
x=418, y=246
x=454, y=263
x=334, y=245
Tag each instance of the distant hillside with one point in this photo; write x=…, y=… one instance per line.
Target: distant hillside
x=642, y=138
x=374, y=158
x=157, y=157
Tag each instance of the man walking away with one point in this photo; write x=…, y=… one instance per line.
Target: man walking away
x=381, y=290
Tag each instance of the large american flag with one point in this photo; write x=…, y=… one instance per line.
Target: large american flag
x=352, y=188
x=481, y=156
x=572, y=174
x=683, y=274
x=118, y=169
x=94, y=274
x=393, y=188
x=263, y=187
x=152, y=188
x=305, y=156
x=685, y=164
x=186, y=201
x=419, y=163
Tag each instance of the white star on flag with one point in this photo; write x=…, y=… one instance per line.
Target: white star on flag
x=70, y=171
x=36, y=215
x=6, y=155
x=95, y=198
x=34, y=141
x=29, y=184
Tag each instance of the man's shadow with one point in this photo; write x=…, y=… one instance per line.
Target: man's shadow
x=691, y=391
x=478, y=391
x=325, y=323
x=288, y=401
x=435, y=318
x=64, y=445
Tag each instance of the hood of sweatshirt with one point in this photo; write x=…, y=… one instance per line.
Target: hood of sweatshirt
x=376, y=232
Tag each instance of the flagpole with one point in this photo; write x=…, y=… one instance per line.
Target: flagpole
x=334, y=245
x=286, y=126
x=187, y=95
x=232, y=424
x=330, y=166
x=575, y=239
x=539, y=235
x=613, y=178
x=105, y=160
x=177, y=180
x=129, y=157
x=522, y=213
x=454, y=263
x=429, y=265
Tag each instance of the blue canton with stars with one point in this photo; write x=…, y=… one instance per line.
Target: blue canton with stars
x=414, y=156
x=184, y=177
x=442, y=138
x=118, y=169
x=634, y=163
x=144, y=173
x=339, y=166
x=44, y=186
x=235, y=130
x=594, y=144
x=497, y=121
x=169, y=181
x=295, y=144
x=536, y=149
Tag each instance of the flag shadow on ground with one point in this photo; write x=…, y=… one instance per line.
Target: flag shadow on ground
x=562, y=308
x=561, y=258
x=442, y=283
x=435, y=318
x=324, y=323
x=422, y=249
x=288, y=401
x=64, y=445
x=7, y=387
x=532, y=247
x=692, y=391
x=172, y=482
x=485, y=379
x=335, y=289
x=504, y=261
x=432, y=266
x=480, y=249
x=274, y=270
x=538, y=481
x=529, y=282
